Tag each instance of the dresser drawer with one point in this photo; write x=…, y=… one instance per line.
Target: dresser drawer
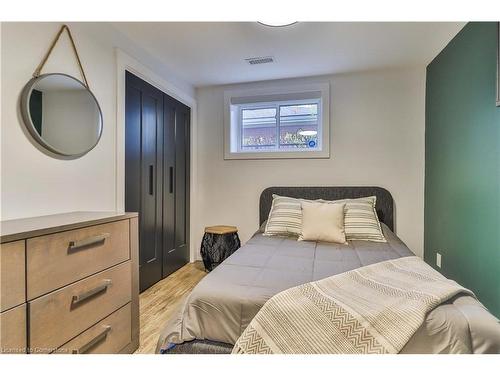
x=13, y=331
x=12, y=275
x=108, y=336
x=59, y=316
x=59, y=259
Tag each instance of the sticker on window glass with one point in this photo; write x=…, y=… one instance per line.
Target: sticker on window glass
x=312, y=143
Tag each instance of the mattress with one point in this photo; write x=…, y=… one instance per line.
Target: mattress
x=222, y=305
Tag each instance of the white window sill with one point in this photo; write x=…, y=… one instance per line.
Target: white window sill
x=277, y=155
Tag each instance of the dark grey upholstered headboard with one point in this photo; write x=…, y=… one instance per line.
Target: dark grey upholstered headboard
x=385, y=205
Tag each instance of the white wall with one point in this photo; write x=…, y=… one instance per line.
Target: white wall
x=32, y=182
x=377, y=138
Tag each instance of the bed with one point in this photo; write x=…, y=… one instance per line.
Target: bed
x=216, y=312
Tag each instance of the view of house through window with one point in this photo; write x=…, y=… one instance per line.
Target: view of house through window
x=279, y=126
x=278, y=123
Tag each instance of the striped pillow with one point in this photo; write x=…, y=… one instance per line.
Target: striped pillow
x=285, y=217
x=361, y=220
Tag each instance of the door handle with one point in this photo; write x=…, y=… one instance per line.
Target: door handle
x=151, y=189
x=171, y=182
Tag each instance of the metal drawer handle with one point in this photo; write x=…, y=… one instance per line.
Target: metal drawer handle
x=92, y=292
x=74, y=245
x=101, y=336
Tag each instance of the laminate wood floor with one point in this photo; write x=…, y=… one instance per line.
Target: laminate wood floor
x=158, y=302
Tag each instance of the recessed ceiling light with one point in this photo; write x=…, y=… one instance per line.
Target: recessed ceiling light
x=276, y=23
x=308, y=132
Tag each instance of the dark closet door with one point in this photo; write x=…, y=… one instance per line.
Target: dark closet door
x=182, y=127
x=169, y=111
x=143, y=172
x=176, y=185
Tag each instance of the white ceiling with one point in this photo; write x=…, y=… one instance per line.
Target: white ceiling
x=214, y=53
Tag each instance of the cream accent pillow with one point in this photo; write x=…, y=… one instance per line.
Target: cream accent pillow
x=323, y=222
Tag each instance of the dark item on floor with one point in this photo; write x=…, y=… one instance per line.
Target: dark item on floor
x=199, y=347
x=219, y=242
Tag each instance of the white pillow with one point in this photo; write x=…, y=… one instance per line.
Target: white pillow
x=323, y=222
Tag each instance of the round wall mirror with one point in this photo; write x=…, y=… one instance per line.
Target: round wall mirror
x=61, y=114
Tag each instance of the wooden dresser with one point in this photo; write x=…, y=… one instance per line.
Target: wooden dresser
x=69, y=283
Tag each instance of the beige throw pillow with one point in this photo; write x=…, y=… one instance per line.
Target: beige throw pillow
x=323, y=222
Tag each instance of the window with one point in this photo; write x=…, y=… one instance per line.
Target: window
x=283, y=125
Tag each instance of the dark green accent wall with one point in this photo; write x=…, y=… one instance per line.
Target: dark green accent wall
x=462, y=163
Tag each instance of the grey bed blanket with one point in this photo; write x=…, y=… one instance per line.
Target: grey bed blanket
x=222, y=305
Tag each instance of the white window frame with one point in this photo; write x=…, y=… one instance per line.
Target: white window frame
x=277, y=105
x=232, y=121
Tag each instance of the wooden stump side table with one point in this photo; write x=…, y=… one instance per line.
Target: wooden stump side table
x=218, y=243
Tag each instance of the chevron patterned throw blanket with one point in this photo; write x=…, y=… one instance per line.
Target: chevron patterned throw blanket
x=374, y=309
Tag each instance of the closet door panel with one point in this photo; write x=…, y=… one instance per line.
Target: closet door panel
x=169, y=112
x=133, y=149
x=143, y=173
x=149, y=248
x=177, y=229
x=181, y=185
